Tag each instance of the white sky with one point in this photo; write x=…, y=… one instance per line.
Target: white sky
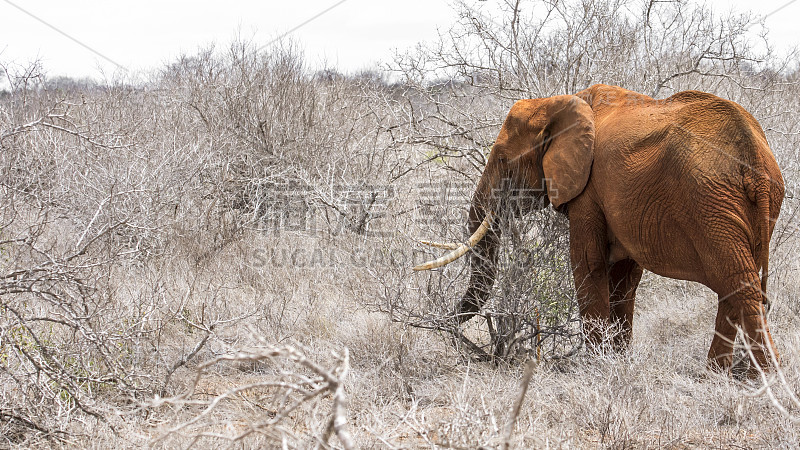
x=145, y=34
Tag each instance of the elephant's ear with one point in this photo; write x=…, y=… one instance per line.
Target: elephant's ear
x=568, y=159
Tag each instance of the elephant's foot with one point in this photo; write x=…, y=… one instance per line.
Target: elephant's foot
x=750, y=317
x=720, y=356
x=723, y=362
x=763, y=355
x=602, y=338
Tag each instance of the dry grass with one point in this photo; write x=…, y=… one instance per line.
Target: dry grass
x=408, y=388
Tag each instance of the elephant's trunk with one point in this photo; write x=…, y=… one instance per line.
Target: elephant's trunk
x=483, y=259
x=483, y=262
x=484, y=240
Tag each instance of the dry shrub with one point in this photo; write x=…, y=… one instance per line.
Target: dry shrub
x=289, y=386
x=290, y=143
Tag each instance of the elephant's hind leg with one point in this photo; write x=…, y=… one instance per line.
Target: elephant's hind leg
x=729, y=269
x=741, y=306
x=623, y=278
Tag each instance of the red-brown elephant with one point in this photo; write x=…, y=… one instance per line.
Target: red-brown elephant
x=685, y=187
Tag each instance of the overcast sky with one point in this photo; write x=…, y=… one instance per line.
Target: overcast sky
x=145, y=34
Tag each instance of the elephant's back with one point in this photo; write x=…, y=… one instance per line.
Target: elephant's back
x=690, y=133
x=719, y=123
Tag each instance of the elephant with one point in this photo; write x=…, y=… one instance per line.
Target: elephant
x=685, y=187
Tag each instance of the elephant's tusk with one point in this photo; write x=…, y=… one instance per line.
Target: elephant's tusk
x=458, y=250
x=444, y=245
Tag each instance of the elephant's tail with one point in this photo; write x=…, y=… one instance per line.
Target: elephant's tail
x=757, y=187
x=765, y=247
x=762, y=194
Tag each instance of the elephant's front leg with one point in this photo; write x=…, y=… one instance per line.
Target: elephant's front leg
x=589, y=255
